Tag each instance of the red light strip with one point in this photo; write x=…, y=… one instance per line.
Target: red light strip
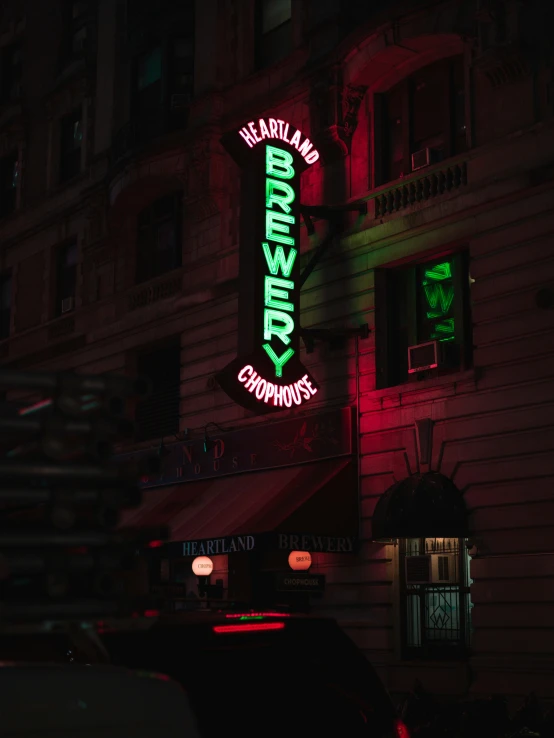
x=257, y=615
x=245, y=628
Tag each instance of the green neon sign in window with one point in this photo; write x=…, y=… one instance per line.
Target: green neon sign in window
x=437, y=288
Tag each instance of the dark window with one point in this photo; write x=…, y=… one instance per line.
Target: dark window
x=159, y=238
x=158, y=414
x=71, y=139
x=424, y=112
x=181, y=81
x=77, y=32
x=5, y=304
x=11, y=73
x=436, y=605
x=147, y=95
x=66, y=278
x=274, y=31
x=9, y=174
x=421, y=304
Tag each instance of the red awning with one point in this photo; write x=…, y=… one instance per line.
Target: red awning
x=255, y=502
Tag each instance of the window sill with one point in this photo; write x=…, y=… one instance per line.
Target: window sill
x=467, y=377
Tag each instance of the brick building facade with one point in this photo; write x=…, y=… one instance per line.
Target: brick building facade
x=120, y=238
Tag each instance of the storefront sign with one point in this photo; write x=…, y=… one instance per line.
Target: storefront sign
x=295, y=441
x=212, y=546
x=266, y=542
x=296, y=582
x=268, y=374
x=314, y=543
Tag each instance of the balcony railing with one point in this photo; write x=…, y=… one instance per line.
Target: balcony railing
x=421, y=187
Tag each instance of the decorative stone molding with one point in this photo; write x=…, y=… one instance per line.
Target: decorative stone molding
x=503, y=65
x=334, y=114
x=146, y=295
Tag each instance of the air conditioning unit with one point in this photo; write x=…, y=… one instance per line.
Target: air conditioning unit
x=67, y=304
x=425, y=157
x=417, y=569
x=444, y=568
x=179, y=101
x=422, y=357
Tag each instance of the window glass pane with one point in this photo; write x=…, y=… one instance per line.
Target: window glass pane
x=70, y=255
x=78, y=8
x=5, y=292
x=79, y=40
x=435, y=290
x=395, y=132
x=430, y=101
x=149, y=68
x=275, y=13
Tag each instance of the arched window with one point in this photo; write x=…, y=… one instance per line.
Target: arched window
x=421, y=120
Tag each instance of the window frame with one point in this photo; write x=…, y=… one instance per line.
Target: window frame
x=14, y=159
x=8, y=80
x=6, y=312
x=390, y=352
x=146, y=251
x=73, y=26
x=67, y=173
x=382, y=130
x=454, y=649
x=164, y=392
x=264, y=41
x=62, y=270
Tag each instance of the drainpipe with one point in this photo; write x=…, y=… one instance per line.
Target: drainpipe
x=358, y=426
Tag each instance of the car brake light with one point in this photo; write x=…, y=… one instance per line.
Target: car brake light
x=401, y=730
x=247, y=627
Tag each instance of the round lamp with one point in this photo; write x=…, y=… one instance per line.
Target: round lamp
x=300, y=560
x=202, y=566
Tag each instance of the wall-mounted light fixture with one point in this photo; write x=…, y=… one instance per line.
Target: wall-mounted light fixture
x=163, y=451
x=209, y=443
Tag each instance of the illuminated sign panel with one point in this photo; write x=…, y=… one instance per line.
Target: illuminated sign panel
x=268, y=375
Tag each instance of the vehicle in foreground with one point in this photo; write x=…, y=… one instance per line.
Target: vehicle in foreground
x=248, y=673
x=91, y=701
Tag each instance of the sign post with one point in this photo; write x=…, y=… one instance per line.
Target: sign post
x=268, y=375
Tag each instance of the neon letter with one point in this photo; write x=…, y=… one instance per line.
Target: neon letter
x=270, y=329
x=274, y=227
x=269, y=392
x=263, y=128
x=277, y=260
x=278, y=396
x=253, y=131
x=278, y=163
x=295, y=140
x=287, y=397
x=305, y=147
x=245, y=133
x=271, y=196
x=311, y=158
x=253, y=382
x=242, y=377
x=260, y=389
x=273, y=128
x=279, y=361
x=275, y=297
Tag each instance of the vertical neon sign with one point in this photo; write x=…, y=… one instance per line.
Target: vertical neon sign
x=268, y=374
